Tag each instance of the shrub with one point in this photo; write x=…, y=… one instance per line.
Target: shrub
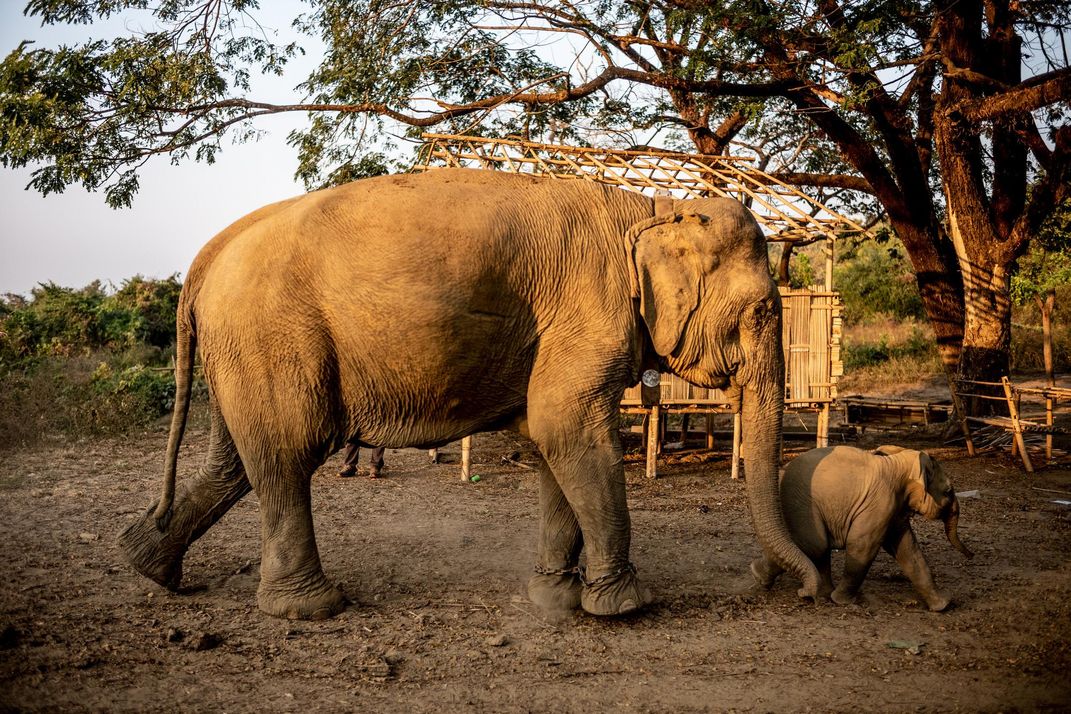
x=876, y=280
x=80, y=362
x=65, y=321
x=882, y=353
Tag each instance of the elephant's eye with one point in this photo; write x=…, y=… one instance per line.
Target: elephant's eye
x=758, y=314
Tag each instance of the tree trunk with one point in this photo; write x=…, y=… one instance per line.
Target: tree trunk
x=784, y=274
x=1046, y=305
x=985, y=266
x=980, y=223
x=939, y=283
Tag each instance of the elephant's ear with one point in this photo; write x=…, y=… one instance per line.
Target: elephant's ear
x=888, y=450
x=918, y=486
x=668, y=268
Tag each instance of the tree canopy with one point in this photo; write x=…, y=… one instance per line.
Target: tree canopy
x=939, y=114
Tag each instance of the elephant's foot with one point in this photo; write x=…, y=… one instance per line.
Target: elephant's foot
x=154, y=553
x=844, y=597
x=765, y=572
x=555, y=590
x=318, y=602
x=938, y=601
x=616, y=593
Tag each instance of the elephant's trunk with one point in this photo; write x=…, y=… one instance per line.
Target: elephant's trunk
x=761, y=420
x=951, y=519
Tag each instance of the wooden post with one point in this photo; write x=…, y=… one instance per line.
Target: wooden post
x=1048, y=423
x=651, y=397
x=466, y=458
x=1017, y=428
x=829, y=263
x=1017, y=410
x=653, y=431
x=737, y=422
x=823, y=426
x=710, y=431
x=957, y=407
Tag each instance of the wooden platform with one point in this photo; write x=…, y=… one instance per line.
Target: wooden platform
x=862, y=411
x=1019, y=421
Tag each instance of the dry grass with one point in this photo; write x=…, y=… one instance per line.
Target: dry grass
x=882, y=354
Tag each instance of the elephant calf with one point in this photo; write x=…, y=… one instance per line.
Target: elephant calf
x=859, y=501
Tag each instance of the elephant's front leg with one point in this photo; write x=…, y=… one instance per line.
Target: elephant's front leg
x=556, y=584
x=587, y=464
x=292, y=581
x=860, y=547
x=900, y=543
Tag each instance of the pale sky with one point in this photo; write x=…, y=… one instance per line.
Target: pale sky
x=74, y=238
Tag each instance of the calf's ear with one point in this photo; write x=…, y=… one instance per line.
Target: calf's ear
x=888, y=450
x=918, y=480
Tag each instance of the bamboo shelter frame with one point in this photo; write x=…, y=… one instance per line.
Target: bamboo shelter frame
x=812, y=324
x=786, y=214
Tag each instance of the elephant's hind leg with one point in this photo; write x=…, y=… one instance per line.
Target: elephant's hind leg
x=292, y=580
x=199, y=502
x=860, y=546
x=556, y=585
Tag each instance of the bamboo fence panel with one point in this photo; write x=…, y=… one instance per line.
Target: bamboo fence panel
x=810, y=333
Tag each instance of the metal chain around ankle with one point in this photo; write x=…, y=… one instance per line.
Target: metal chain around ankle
x=540, y=570
x=629, y=568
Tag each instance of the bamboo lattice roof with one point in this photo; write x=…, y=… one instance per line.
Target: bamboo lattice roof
x=785, y=213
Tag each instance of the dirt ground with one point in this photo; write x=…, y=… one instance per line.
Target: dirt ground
x=437, y=567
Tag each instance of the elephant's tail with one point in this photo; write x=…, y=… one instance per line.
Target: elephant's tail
x=185, y=352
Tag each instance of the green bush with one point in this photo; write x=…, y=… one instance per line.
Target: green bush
x=82, y=396
x=86, y=361
x=135, y=395
x=66, y=321
x=876, y=280
x=917, y=345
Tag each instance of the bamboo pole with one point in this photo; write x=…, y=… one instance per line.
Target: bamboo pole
x=653, y=433
x=466, y=458
x=830, y=246
x=957, y=406
x=1017, y=428
x=1048, y=436
x=737, y=423
x=823, y=427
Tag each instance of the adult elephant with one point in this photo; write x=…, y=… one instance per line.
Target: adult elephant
x=413, y=310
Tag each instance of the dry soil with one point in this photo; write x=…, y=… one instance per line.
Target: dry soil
x=436, y=568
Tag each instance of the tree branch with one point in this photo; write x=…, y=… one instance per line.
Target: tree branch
x=847, y=181
x=1031, y=94
x=450, y=111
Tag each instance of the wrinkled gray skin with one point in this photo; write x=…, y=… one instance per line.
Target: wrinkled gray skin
x=414, y=310
x=859, y=501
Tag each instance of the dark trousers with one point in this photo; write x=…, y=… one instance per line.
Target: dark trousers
x=353, y=451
